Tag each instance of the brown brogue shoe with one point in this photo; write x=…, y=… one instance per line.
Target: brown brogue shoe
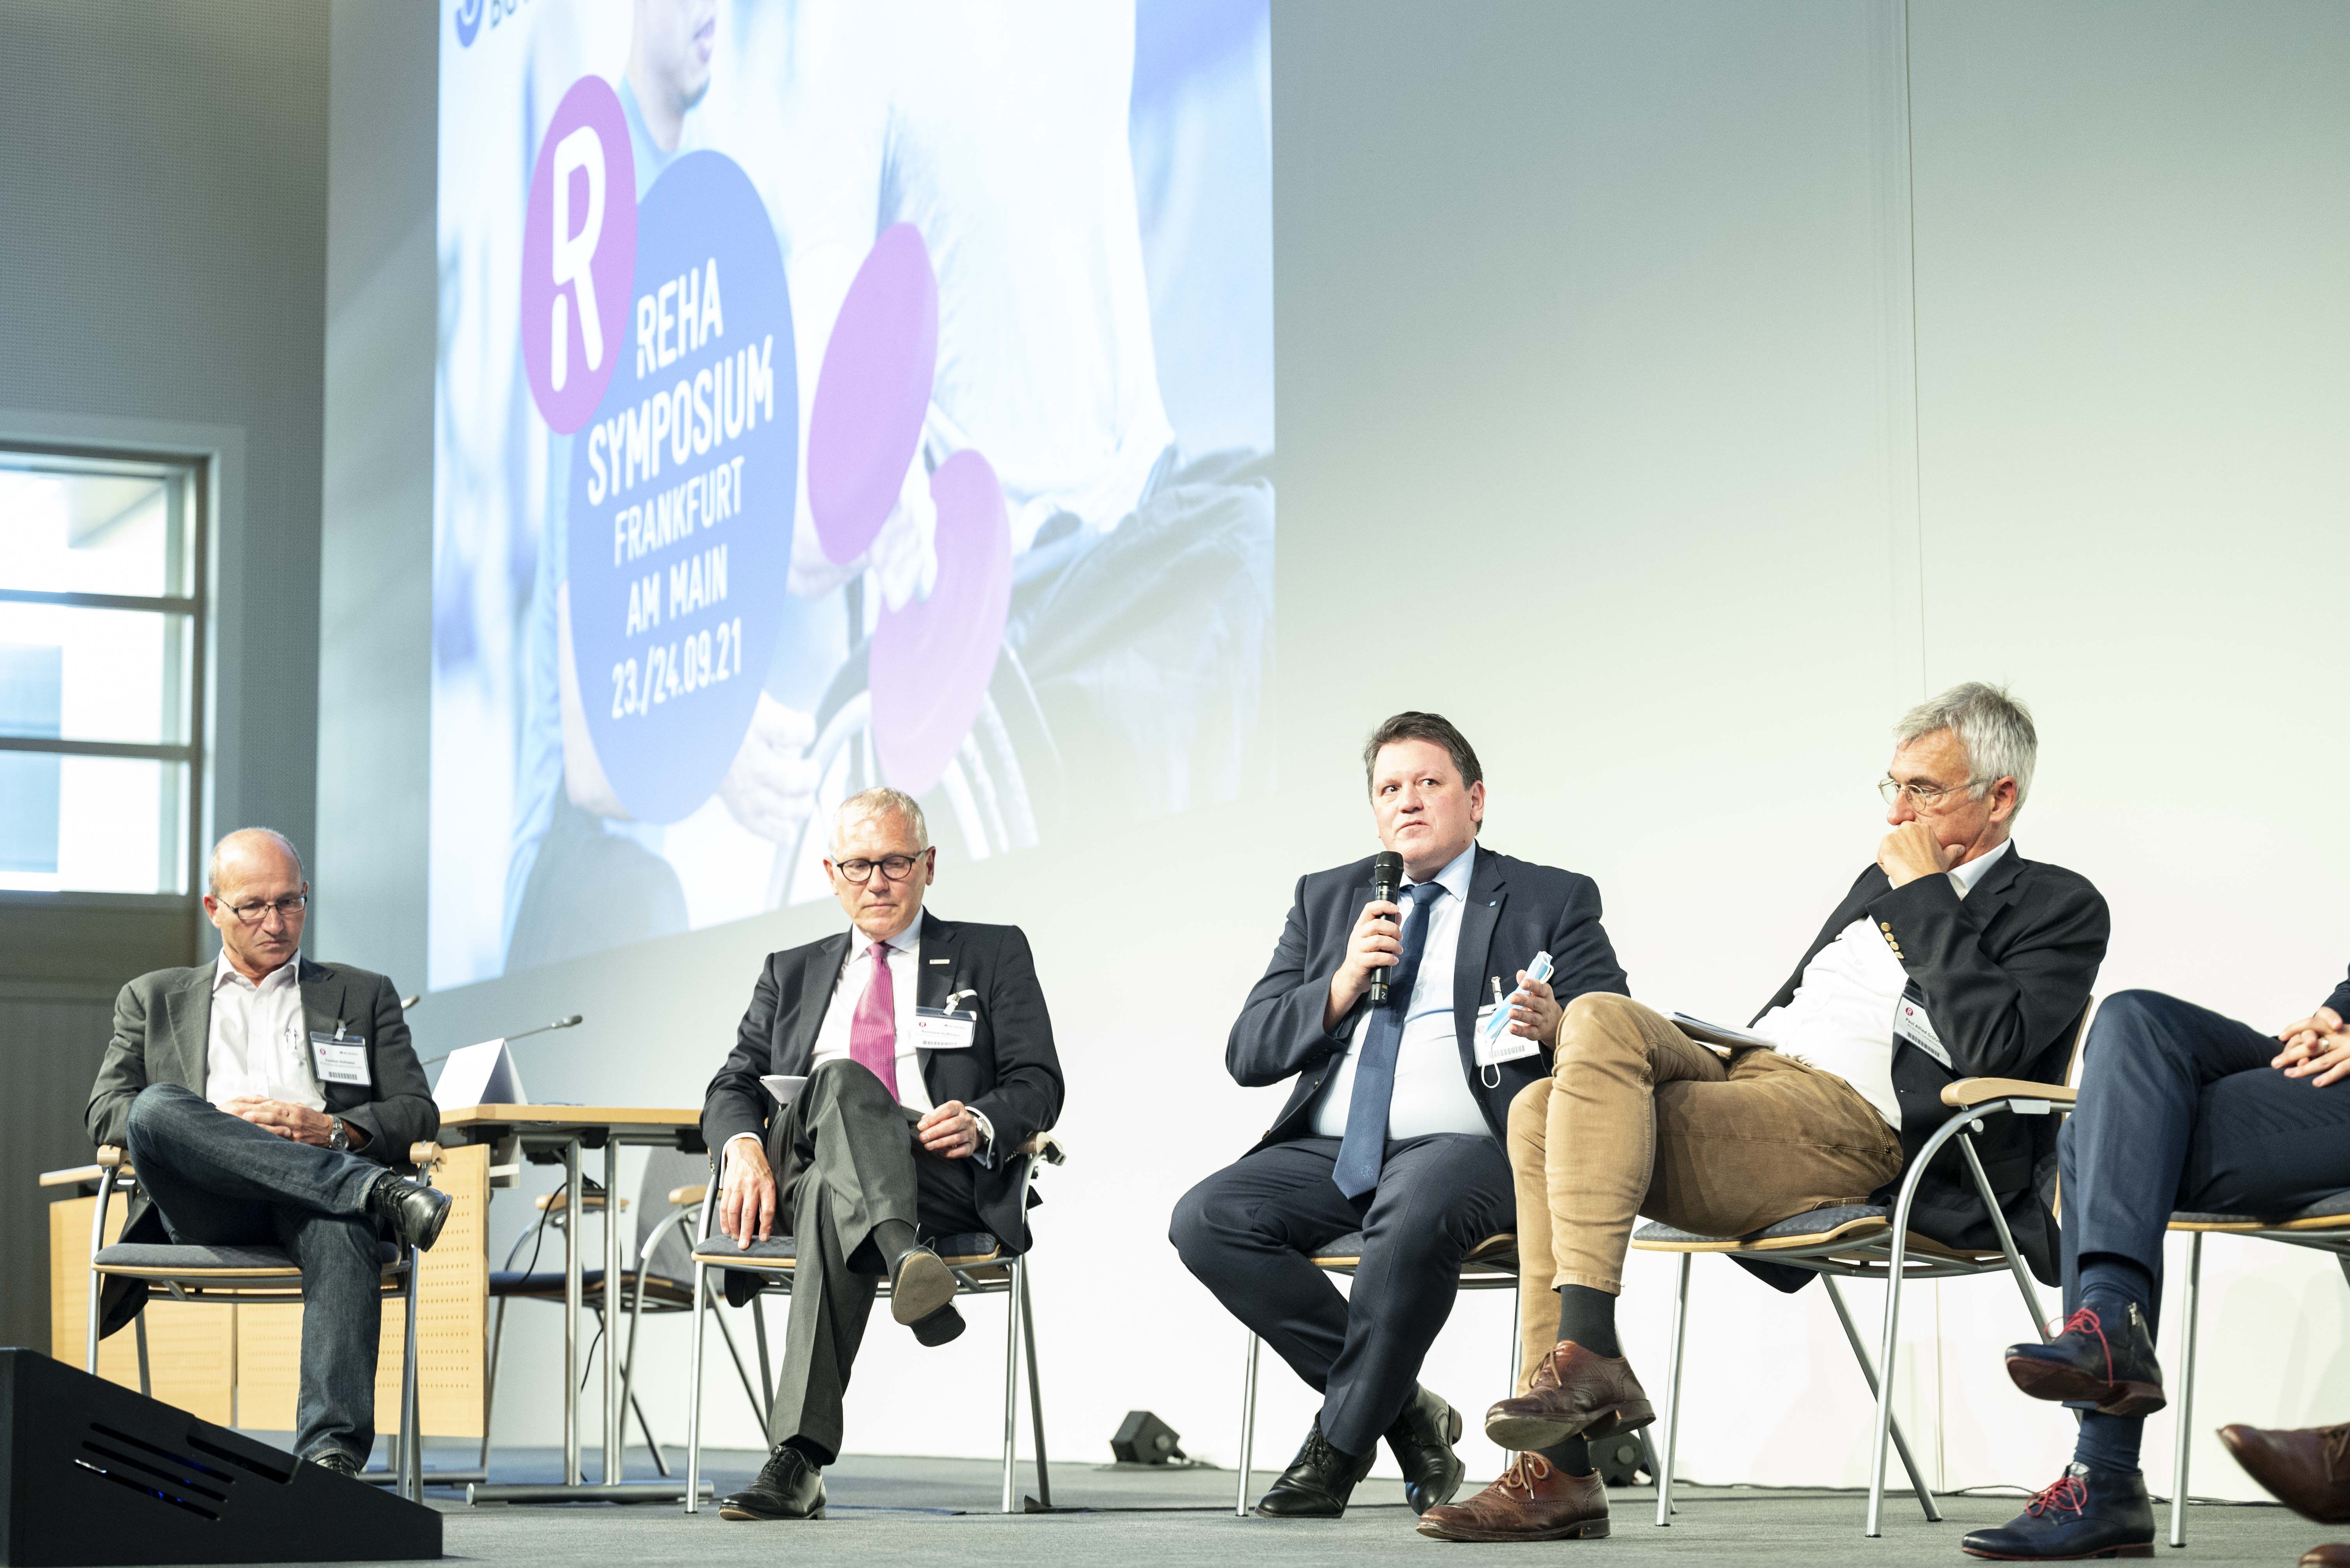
x=1575, y=1393
x=1534, y=1500
x=2333, y=1554
x=2308, y=1470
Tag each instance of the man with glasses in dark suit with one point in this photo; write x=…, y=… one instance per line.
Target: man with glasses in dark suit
x=928, y=1061
x=262, y=1099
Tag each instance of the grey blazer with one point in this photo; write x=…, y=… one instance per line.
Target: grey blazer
x=162, y=1034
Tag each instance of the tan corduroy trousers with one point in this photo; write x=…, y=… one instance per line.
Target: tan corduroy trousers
x=1636, y=1119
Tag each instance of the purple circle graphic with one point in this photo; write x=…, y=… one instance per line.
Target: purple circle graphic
x=931, y=660
x=872, y=392
x=578, y=255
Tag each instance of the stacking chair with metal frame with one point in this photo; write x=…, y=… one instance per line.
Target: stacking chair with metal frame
x=981, y=1267
x=1869, y=1241
x=1491, y=1265
x=662, y=1282
x=2323, y=1226
x=249, y=1276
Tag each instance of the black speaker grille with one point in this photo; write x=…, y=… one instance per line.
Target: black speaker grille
x=157, y=1473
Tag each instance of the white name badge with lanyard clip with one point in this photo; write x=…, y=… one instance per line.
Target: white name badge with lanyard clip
x=340, y=1057
x=944, y=1028
x=1911, y=1023
x=1495, y=1045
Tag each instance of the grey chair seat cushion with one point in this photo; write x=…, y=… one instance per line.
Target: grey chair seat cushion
x=548, y=1283
x=172, y=1255
x=2333, y=1205
x=1493, y=1252
x=1818, y=1222
x=787, y=1249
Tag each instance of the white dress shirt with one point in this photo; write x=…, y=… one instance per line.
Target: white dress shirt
x=1841, y=1018
x=257, y=1045
x=905, y=958
x=1431, y=1093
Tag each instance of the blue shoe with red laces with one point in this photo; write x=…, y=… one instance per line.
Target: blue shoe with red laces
x=2104, y=1362
x=2085, y=1513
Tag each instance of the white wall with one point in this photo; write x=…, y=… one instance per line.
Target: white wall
x=1617, y=423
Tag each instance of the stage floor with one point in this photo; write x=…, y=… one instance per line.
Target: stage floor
x=925, y=1511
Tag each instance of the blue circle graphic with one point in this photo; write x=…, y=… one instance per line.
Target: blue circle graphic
x=469, y=20
x=682, y=495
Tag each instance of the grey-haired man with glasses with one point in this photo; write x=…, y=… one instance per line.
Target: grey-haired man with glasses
x=267, y=1099
x=915, y=1057
x=1951, y=957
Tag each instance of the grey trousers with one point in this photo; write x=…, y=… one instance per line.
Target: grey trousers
x=858, y=1165
x=219, y=1181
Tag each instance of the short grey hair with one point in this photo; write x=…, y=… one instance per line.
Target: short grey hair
x=213, y=867
x=881, y=801
x=1993, y=727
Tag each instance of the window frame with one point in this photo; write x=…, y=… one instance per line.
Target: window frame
x=189, y=477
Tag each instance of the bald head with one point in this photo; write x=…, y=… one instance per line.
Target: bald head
x=252, y=852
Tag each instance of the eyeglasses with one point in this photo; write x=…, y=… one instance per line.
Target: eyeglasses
x=260, y=909
x=1921, y=797
x=895, y=868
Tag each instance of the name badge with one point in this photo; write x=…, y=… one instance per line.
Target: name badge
x=935, y=1029
x=1495, y=1044
x=1911, y=1023
x=341, y=1060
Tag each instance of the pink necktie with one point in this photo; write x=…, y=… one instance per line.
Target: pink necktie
x=873, y=1032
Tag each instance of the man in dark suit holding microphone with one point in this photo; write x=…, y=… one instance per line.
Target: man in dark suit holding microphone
x=928, y=1058
x=1396, y=1124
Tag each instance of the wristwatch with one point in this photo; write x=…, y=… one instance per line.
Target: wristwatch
x=338, y=1136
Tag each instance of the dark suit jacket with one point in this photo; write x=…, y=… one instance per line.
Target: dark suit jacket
x=162, y=1034
x=2005, y=973
x=1011, y=1074
x=1515, y=910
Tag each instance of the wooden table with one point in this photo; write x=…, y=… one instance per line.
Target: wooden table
x=567, y=1131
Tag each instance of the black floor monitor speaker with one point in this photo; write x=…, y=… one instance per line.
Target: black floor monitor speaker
x=92, y=1473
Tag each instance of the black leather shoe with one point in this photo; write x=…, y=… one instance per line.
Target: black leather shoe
x=2108, y=1363
x=1318, y=1482
x=339, y=1462
x=920, y=1286
x=414, y=1212
x=1421, y=1440
x=940, y=1326
x=2087, y=1513
x=787, y=1487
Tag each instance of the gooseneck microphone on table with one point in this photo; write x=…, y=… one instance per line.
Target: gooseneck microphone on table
x=1387, y=880
x=510, y=1039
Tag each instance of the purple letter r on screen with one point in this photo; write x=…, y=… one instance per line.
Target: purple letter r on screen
x=578, y=255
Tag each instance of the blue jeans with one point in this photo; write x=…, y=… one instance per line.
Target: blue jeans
x=219, y=1181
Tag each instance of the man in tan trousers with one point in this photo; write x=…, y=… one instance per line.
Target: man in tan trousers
x=1951, y=956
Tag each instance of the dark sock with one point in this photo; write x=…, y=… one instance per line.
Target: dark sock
x=1572, y=1457
x=2109, y=1442
x=2110, y=1282
x=807, y=1449
x=1589, y=1317
x=893, y=1239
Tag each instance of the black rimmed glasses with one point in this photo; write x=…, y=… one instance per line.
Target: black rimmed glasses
x=894, y=867
x=257, y=910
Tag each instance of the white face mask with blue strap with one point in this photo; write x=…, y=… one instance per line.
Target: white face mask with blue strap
x=1495, y=1044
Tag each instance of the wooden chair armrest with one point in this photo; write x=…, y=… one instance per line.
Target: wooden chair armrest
x=1969, y=1092
x=591, y=1202
x=72, y=1176
x=686, y=1197
x=1047, y=1146
x=109, y=1154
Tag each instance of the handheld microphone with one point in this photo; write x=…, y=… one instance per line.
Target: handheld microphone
x=1387, y=878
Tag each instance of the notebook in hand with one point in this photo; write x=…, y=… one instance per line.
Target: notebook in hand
x=1725, y=1040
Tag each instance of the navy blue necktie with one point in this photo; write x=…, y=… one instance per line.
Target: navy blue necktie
x=1364, y=1148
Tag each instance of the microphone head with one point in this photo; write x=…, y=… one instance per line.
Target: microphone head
x=1386, y=868
x=567, y=1022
